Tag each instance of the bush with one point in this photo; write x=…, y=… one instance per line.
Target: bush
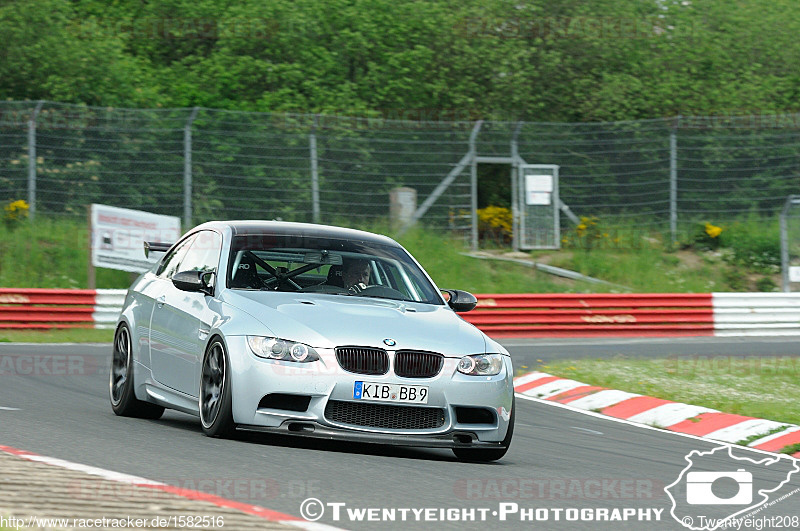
x=15, y=213
x=766, y=284
x=494, y=223
x=755, y=245
x=706, y=237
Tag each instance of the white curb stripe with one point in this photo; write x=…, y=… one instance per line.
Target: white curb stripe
x=553, y=388
x=774, y=436
x=669, y=414
x=528, y=378
x=94, y=471
x=602, y=399
x=744, y=429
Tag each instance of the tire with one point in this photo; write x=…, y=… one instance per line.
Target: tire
x=121, y=385
x=482, y=455
x=216, y=412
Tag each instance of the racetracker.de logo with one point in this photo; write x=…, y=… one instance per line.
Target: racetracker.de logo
x=48, y=365
x=557, y=489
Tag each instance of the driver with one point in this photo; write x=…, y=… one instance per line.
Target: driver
x=355, y=274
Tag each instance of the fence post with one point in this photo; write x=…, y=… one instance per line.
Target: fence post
x=473, y=152
x=32, y=160
x=312, y=147
x=673, y=184
x=187, y=170
x=514, y=186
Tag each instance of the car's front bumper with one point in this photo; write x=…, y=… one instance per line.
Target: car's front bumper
x=252, y=378
x=454, y=439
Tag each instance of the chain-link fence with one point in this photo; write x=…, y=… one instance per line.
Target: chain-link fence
x=204, y=164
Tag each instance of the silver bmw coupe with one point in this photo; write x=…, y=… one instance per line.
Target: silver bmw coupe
x=309, y=330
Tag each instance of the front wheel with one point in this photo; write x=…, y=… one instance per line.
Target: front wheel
x=485, y=455
x=120, y=385
x=216, y=415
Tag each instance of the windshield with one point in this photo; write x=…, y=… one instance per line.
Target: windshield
x=327, y=265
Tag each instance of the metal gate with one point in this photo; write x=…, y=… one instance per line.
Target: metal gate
x=538, y=207
x=790, y=243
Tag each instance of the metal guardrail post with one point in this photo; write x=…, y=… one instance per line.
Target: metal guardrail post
x=312, y=147
x=187, y=170
x=514, y=187
x=673, y=185
x=32, y=160
x=474, y=182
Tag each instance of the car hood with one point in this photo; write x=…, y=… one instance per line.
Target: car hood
x=328, y=321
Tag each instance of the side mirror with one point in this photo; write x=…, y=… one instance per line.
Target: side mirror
x=196, y=281
x=461, y=301
x=155, y=247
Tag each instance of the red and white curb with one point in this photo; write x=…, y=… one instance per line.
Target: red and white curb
x=699, y=421
x=255, y=510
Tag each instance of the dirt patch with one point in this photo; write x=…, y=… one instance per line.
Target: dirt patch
x=689, y=259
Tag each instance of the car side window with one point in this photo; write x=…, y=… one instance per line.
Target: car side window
x=203, y=254
x=169, y=266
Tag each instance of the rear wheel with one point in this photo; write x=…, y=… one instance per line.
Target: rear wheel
x=485, y=455
x=120, y=385
x=216, y=413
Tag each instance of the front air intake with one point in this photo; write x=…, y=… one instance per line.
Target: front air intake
x=384, y=415
x=474, y=415
x=285, y=401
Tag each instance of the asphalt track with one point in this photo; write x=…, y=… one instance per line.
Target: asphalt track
x=53, y=401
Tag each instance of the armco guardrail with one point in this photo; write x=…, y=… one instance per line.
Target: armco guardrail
x=499, y=315
x=59, y=308
x=756, y=314
x=589, y=315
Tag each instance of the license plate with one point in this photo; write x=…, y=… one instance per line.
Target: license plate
x=380, y=392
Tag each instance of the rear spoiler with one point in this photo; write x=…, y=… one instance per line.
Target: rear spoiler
x=155, y=247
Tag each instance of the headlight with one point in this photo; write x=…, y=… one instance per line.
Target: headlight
x=481, y=364
x=281, y=349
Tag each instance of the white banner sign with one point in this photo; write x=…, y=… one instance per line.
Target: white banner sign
x=118, y=236
x=538, y=189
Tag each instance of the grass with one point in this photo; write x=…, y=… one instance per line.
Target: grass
x=649, y=270
x=51, y=253
x=747, y=440
x=70, y=335
x=791, y=449
x=54, y=254
x=451, y=270
x=766, y=387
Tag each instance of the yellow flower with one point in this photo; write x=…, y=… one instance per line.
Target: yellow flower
x=16, y=210
x=496, y=217
x=712, y=230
